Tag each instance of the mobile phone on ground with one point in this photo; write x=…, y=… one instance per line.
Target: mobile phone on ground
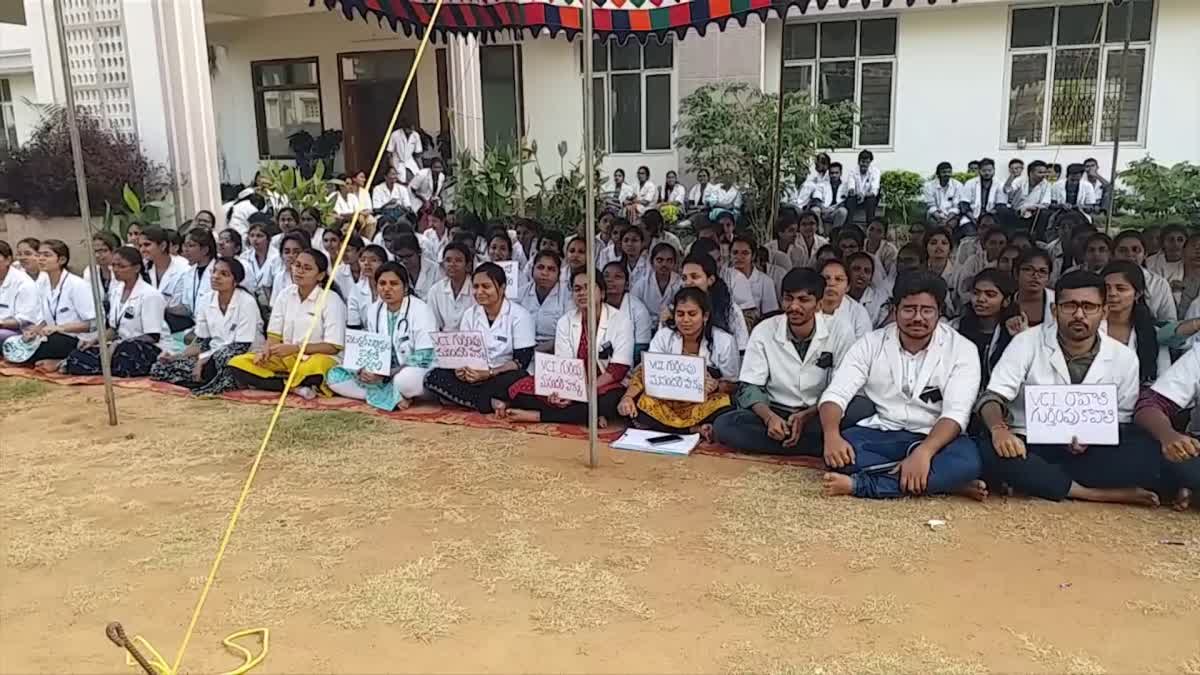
x=668, y=438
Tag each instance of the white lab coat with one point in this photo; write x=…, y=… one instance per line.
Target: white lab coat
x=821, y=190
x=142, y=313
x=647, y=196
x=657, y=299
x=972, y=193
x=699, y=193
x=804, y=255
x=345, y=205
x=19, y=298
x=240, y=322
x=885, y=264
x=1087, y=195
x=69, y=302
x=723, y=197
x=258, y=276
x=359, y=298
x=721, y=353
x=512, y=330
x=1035, y=357
x=1038, y=196
x=1159, y=297
x=1164, y=354
x=943, y=198
x=547, y=312
x=448, y=308
x=173, y=283
x=874, y=300
x=875, y=366
x=413, y=331
x=425, y=187
x=739, y=288
x=854, y=316
x=771, y=360
x=382, y=195
x=676, y=195
x=639, y=317
x=762, y=289
x=865, y=184
x=1181, y=383
x=404, y=149
x=197, y=287
x=1171, y=271
x=291, y=316
x=612, y=330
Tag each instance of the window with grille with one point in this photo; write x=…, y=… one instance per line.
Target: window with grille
x=633, y=101
x=287, y=99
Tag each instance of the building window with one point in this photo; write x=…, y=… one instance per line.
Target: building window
x=500, y=81
x=633, y=101
x=846, y=61
x=287, y=99
x=1064, y=73
x=8, y=120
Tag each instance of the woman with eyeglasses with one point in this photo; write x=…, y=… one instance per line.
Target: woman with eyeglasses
x=229, y=325
x=291, y=315
x=614, y=340
x=290, y=247
x=409, y=325
x=104, y=244
x=68, y=314
x=1034, y=300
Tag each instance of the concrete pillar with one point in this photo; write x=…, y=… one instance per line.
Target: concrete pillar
x=466, y=96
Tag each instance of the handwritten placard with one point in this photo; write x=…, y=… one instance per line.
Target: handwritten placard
x=460, y=349
x=562, y=376
x=1055, y=414
x=674, y=377
x=513, y=273
x=371, y=352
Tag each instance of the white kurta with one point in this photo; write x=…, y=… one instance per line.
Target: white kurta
x=19, y=298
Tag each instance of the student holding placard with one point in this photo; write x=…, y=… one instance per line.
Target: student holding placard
x=1070, y=350
x=690, y=332
x=1176, y=390
x=545, y=299
x=615, y=339
x=786, y=368
x=509, y=339
x=409, y=325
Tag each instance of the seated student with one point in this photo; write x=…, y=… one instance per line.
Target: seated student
x=700, y=271
x=692, y=332
x=942, y=195
x=1168, y=263
x=1189, y=291
x=612, y=251
x=1074, y=192
x=787, y=225
x=762, y=263
x=423, y=273
x=865, y=184
x=804, y=249
x=27, y=257
x=617, y=295
x=452, y=296
x=230, y=325
x=1128, y=319
x=1034, y=302
x=1097, y=252
x=436, y=235
x=786, y=367
x=169, y=274
x=67, y=313
x=499, y=246
x=982, y=320
x=922, y=377
x=672, y=192
x=199, y=249
x=391, y=197
x=994, y=242
x=545, y=299
x=363, y=294
x=656, y=232
x=18, y=296
x=824, y=255
x=410, y=325
x=739, y=285
x=874, y=300
x=1069, y=250
x=1069, y=350
x=982, y=194
x=291, y=315
x=1129, y=245
x=1176, y=390
x=657, y=288
x=258, y=258
x=1007, y=262
x=910, y=258
x=762, y=287
x=837, y=305
x=825, y=196
x=633, y=255
x=574, y=258
x=135, y=324
x=290, y=247
x=615, y=357
x=508, y=335
x=939, y=250
x=848, y=240
x=229, y=243
x=883, y=251
x=103, y=246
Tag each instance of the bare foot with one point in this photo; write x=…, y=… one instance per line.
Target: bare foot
x=837, y=484
x=499, y=409
x=46, y=366
x=976, y=489
x=601, y=422
x=1134, y=496
x=1183, y=500
x=529, y=416
x=403, y=404
x=705, y=431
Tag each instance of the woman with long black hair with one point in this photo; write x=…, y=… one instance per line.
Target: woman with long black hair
x=982, y=319
x=700, y=271
x=1130, y=320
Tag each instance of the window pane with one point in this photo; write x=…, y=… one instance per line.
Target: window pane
x=5, y=92
x=627, y=113
x=879, y=37
x=388, y=65
x=599, y=57
x=1079, y=24
x=284, y=74
x=658, y=112
x=626, y=57
x=837, y=39
x=599, y=114
x=1073, y=101
x=1026, y=97
x=875, y=102
x=287, y=112
x=800, y=41
x=1143, y=14
x=498, y=89
x=836, y=84
x=1032, y=27
x=1129, y=101
x=658, y=56
x=798, y=78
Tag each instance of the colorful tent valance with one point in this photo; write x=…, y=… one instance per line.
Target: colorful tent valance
x=621, y=19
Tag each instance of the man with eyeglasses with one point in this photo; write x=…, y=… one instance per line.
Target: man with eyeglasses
x=922, y=377
x=1130, y=245
x=1069, y=350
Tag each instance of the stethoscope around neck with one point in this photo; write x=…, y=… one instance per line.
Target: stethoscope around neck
x=402, y=321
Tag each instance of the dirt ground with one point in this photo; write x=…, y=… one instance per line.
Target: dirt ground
x=371, y=546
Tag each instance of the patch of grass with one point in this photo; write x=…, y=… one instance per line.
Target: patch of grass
x=793, y=616
x=13, y=389
x=1191, y=666
x=918, y=657
x=401, y=597
x=1055, y=660
x=307, y=431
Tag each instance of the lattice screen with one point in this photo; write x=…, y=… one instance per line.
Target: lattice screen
x=99, y=66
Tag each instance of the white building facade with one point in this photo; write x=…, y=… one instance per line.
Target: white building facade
x=215, y=87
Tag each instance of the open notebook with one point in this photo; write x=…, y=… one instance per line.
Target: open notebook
x=639, y=440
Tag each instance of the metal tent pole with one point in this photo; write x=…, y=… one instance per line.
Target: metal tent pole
x=1112, y=182
x=85, y=213
x=589, y=209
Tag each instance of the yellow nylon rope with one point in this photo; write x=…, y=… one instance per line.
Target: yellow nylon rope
x=251, y=661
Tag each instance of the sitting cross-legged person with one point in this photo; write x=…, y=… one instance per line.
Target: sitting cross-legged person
x=787, y=366
x=1173, y=393
x=1069, y=350
x=922, y=377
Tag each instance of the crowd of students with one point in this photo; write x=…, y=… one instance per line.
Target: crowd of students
x=903, y=368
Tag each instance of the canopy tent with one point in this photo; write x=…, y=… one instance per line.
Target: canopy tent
x=621, y=19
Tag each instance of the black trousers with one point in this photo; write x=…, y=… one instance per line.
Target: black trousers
x=443, y=383
x=251, y=381
x=1047, y=471
x=867, y=204
x=742, y=430
x=576, y=413
x=57, y=346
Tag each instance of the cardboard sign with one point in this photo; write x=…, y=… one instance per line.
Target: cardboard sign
x=674, y=377
x=554, y=375
x=513, y=272
x=1054, y=414
x=371, y=352
x=460, y=349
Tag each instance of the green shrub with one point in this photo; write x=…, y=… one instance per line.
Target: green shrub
x=901, y=190
x=1157, y=194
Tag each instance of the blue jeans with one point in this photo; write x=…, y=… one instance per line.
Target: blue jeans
x=875, y=453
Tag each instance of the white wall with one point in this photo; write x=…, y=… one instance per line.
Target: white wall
x=323, y=35
x=145, y=81
x=27, y=117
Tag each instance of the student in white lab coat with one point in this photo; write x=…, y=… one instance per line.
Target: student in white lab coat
x=656, y=233
x=942, y=195
x=404, y=149
x=656, y=289
x=837, y=305
x=626, y=194
x=939, y=254
x=1168, y=263
x=883, y=251
x=1128, y=319
x=700, y=270
x=647, y=191
x=872, y=298
x=66, y=313
x=452, y=296
x=634, y=255
x=135, y=328
x=422, y=273
x=258, y=261
x=1176, y=390
x=545, y=298
x=18, y=297
x=994, y=241
x=1034, y=302
x=983, y=193
x=391, y=194
x=199, y=249
x=290, y=247
x=785, y=369
x=787, y=226
x=1129, y=245
x=696, y=195
x=672, y=192
x=617, y=293
x=865, y=183
x=230, y=325
x=922, y=377
x=509, y=341
x=426, y=188
x=1076, y=192
x=807, y=243
x=169, y=274
x=825, y=196
x=762, y=287
x=363, y=294
x=409, y=324
x=1070, y=350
